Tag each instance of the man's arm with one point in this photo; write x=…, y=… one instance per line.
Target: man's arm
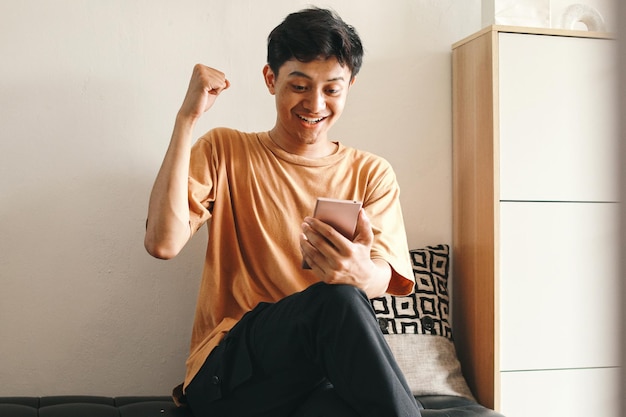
x=167, y=227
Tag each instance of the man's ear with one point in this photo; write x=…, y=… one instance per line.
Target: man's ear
x=352, y=80
x=270, y=79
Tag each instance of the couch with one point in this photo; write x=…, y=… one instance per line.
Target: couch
x=95, y=406
x=416, y=327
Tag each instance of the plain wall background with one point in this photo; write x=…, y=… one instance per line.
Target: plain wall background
x=88, y=94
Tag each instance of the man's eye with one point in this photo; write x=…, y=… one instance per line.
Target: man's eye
x=299, y=87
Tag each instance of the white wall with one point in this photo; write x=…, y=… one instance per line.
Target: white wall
x=88, y=94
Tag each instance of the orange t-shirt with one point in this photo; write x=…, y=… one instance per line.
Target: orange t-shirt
x=254, y=196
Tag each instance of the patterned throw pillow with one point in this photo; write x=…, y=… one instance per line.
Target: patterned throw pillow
x=417, y=327
x=426, y=311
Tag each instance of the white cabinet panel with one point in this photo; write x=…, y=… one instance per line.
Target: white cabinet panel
x=558, y=124
x=567, y=393
x=560, y=285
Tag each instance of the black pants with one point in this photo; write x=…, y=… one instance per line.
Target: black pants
x=316, y=353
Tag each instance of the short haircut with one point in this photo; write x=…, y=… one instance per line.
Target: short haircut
x=312, y=34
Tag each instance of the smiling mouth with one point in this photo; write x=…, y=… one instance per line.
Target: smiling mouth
x=311, y=121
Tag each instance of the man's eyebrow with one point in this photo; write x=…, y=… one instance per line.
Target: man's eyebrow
x=308, y=77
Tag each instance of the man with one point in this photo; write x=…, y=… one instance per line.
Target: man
x=271, y=338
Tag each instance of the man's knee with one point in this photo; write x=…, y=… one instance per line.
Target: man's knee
x=342, y=299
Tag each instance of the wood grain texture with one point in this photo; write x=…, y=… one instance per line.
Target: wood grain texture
x=474, y=213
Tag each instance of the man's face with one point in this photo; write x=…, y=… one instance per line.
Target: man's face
x=310, y=97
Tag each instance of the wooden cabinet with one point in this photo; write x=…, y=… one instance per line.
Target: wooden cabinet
x=535, y=257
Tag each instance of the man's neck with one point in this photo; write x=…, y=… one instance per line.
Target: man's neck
x=318, y=149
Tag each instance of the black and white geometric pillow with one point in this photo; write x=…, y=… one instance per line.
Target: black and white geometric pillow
x=425, y=311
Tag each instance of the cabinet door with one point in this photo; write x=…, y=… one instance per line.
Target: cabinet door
x=559, y=285
x=567, y=393
x=557, y=117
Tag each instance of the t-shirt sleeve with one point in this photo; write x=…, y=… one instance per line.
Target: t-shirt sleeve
x=202, y=175
x=390, y=243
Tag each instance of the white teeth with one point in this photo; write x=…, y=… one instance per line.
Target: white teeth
x=311, y=121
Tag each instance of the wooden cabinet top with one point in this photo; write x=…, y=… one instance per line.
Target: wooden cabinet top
x=534, y=31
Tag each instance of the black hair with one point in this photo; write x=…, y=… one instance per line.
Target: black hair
x=311, y=34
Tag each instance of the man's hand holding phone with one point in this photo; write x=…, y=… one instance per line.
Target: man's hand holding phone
x=341, y=215
x=340, y=260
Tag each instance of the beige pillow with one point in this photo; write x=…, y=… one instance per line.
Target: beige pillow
x=429, y=364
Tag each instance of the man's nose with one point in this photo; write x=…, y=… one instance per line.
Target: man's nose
x=315, y=101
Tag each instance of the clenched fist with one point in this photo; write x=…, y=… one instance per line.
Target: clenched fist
x=205, y=85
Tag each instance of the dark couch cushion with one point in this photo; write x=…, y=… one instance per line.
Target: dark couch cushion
x=150, y=406
x=17, y=410
x=77, y=406
x=32, y=402
x=162, y=406
x=122, y=401
x=78, y=410
x=449, y=406
x=19, y=406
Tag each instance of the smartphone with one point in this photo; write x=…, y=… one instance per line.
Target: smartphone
x=342, y=215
